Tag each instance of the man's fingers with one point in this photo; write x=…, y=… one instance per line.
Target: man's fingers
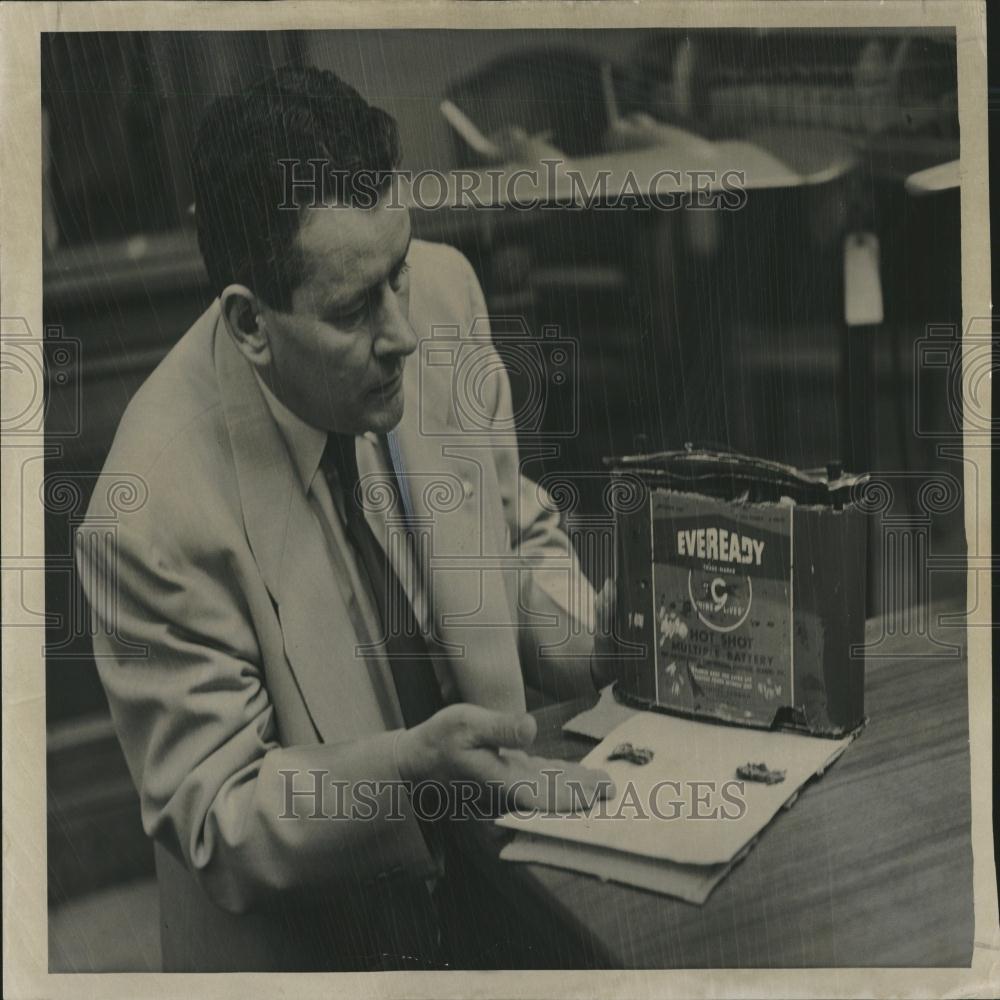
x=561, y=787
x=592, y=777
x=580, y=787
x=501, y=729
x=530, y=782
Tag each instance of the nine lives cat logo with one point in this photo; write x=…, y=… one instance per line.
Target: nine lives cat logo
x=721, y=600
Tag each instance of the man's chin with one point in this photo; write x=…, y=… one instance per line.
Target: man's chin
x=386, y=415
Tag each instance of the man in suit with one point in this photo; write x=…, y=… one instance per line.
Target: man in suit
x=335, y=594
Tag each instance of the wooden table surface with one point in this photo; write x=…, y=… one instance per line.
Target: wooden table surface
x=872, y=866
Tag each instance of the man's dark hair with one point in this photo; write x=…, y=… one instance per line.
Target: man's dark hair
x=294, y=114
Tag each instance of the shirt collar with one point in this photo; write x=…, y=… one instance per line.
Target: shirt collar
x=305, y=443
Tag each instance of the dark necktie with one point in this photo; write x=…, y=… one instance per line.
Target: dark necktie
x=412, y=671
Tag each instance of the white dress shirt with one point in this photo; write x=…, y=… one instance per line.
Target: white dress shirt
x=305, y=445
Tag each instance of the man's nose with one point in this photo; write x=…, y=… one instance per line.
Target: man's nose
x=394, y=335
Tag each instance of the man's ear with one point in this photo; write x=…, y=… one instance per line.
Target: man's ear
x=241, y=312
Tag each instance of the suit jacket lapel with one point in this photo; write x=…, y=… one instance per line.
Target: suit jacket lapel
x=346, y=695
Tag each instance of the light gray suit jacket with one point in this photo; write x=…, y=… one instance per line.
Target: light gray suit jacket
x=227, y=638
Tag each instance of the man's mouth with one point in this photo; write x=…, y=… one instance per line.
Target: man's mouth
x=389, y=387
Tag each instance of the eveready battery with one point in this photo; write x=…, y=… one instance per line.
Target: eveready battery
x=741, y=591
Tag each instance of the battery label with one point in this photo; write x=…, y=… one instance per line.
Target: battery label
x=722, y=603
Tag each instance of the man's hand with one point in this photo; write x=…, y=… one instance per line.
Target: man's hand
x=469, y=743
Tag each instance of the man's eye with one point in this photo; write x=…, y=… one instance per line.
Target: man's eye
x=350, y=319
x=396, y=280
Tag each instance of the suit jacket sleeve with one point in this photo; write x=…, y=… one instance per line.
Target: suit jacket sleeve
x=556, y=657
x=199, y=734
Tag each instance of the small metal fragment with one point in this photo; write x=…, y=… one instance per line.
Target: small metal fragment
x=635, y=755
x=759, y=772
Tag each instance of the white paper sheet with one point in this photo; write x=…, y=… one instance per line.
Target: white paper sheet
x=686, y=805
